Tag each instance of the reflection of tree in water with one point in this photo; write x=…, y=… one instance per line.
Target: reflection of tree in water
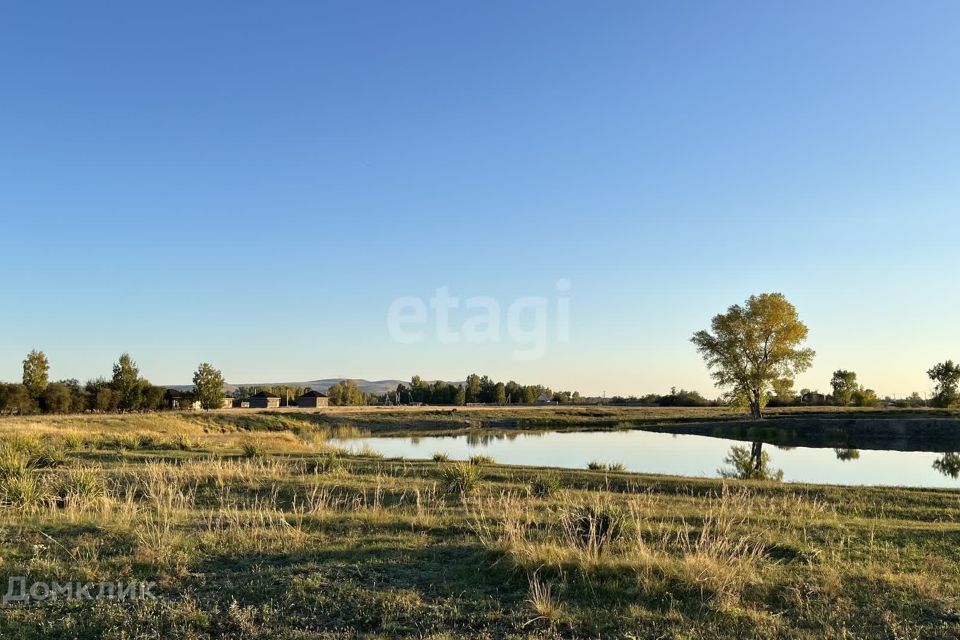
x=948, y=464
x=749, y=464
x=847, y=454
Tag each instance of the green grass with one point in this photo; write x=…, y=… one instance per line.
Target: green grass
x=299, y=541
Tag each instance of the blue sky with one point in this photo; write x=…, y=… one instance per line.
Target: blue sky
x=253, y=184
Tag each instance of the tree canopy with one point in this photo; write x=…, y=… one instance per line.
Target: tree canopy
x=844, y=385
x=751, y=346
x=208, y=386
x=946, y=375
x=36, y=369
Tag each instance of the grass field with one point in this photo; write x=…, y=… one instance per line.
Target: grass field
x=251, y=527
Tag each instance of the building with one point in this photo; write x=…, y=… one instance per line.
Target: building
x=545, y=399
x=264, y=400
x=313, y=400
x=228, y=402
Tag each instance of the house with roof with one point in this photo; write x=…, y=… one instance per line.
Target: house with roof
x=264, y=400
x=313, y=400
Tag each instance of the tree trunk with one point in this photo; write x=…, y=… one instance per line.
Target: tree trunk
x=756, y=456
x=755, y=410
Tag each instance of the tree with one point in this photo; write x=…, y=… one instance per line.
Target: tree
x=126, y=383
x=500, y=393
x=865, y=398
x=844, y=385
x=947, y=376
x=16, y=399
x=153, y=398
x=36, y=369
x=346, y=393
x=56, y=398
x=208, y=385
x=753, y=345
x=472, y=391
x=783, y=390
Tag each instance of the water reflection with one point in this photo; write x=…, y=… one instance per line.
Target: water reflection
x=486, y=439
x=684, y=455
x=948, y=464
x=846, y=455
x=749, y=464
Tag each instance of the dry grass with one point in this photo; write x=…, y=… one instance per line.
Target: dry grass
x=291, y=542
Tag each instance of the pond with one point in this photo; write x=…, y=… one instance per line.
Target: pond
x=676, y=454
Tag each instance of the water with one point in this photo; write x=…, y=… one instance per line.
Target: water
x=685, y=455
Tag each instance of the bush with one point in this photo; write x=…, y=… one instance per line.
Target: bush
x=441, y=457
x=545, y=485
x=592, y=528
x=481, y=459
x=324, y=464
x=461, y=478
x=605, y=466
x=252, y=450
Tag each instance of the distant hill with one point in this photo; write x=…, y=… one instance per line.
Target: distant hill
x=367, y=386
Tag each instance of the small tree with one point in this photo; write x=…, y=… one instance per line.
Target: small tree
x=126, y=383
x=208, y=383
x=844, y=385
x=947, y=376
x=36, y=370
x=753, y=345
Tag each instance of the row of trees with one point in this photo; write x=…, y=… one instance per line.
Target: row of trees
x=126, y=390
x=475, y=390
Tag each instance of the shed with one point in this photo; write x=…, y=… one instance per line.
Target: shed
x=264, y=400
x=313, y=400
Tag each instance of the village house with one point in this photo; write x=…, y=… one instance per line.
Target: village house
x=313, y=400
x=264, y=400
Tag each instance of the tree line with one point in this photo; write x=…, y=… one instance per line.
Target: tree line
x=125, y=391
x=476, y=389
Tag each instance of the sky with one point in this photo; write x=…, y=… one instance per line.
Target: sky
x=259, y=184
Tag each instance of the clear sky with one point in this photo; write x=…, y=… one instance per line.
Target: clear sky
x=255, y=183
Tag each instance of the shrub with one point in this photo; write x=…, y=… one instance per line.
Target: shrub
x=594, y=465
x=592, y=528
x=461, y=478
x=481, y=459
x=545, y=485
x=252, y=450
x=324, y=464
x=184, y=443
x=441, y=457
